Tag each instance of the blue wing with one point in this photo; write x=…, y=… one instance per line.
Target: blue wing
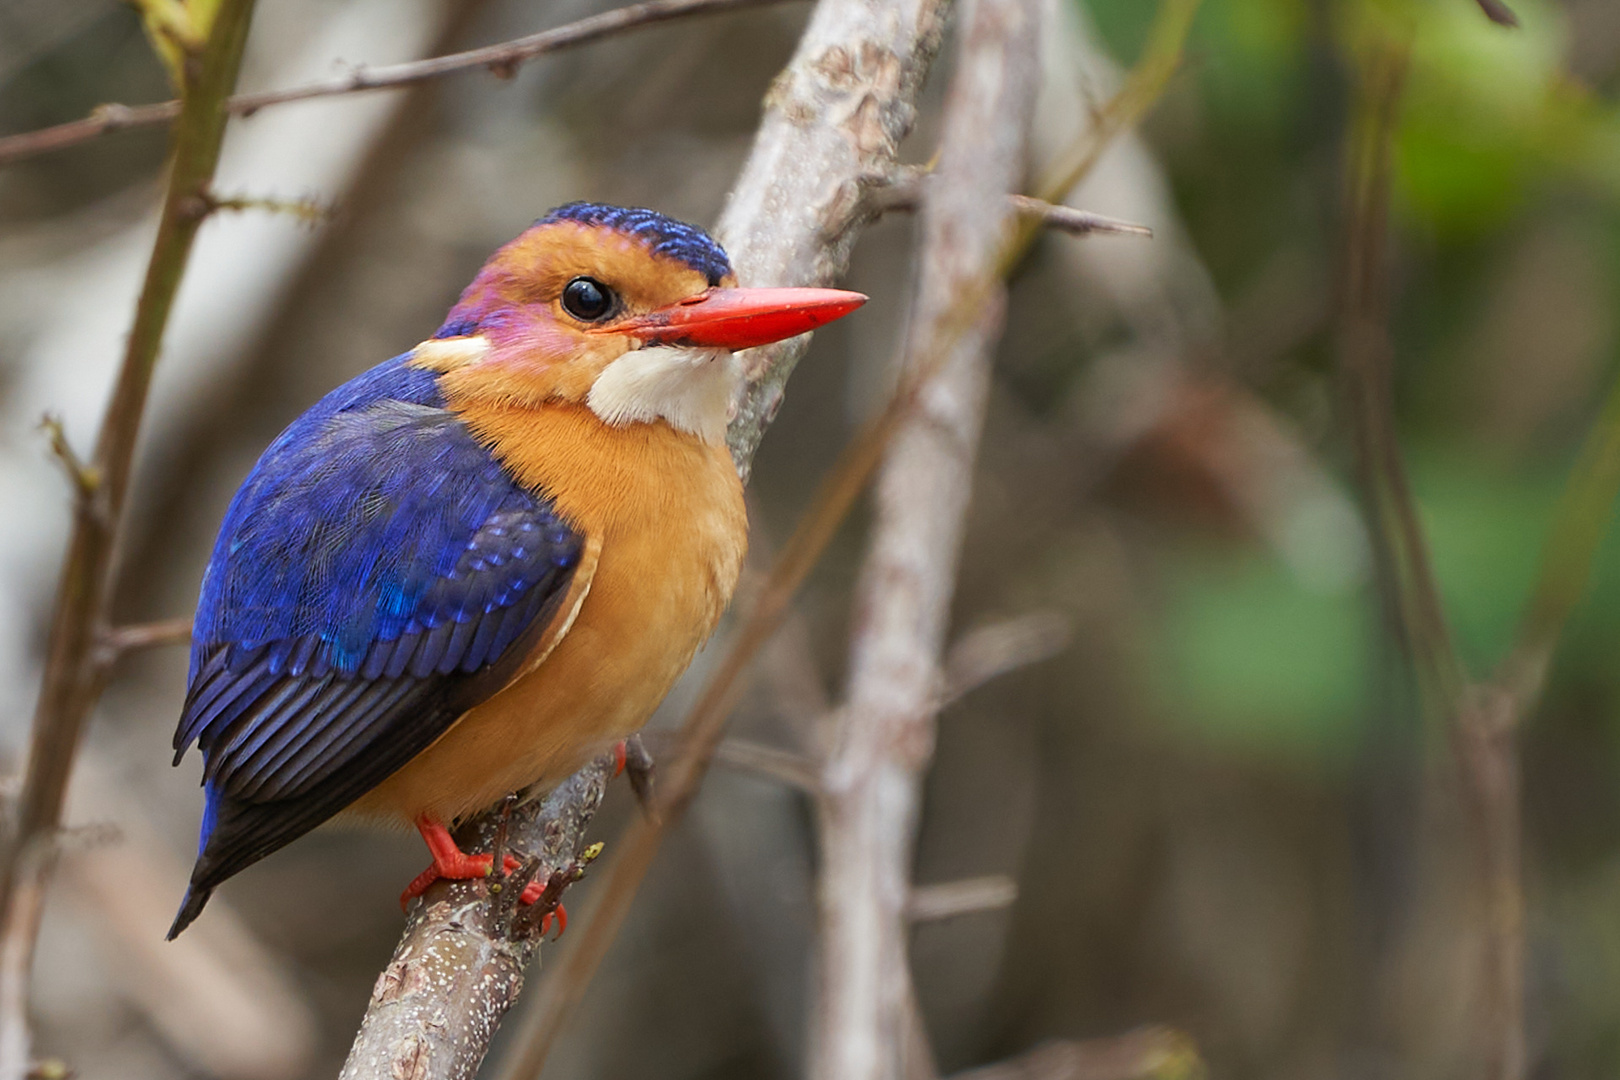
x=378, y=573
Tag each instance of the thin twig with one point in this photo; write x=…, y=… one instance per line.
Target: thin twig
x=1479, y=720
x=906, y=194
x=1144, y=86
x=793, y=769
x=1077, y=222
x=74, y=670
x=988, y=652
x=1584, y=512
x=126, y=639
x=950, y=899
x=502, y=59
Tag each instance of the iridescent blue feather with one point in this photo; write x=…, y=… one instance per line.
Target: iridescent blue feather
x=370, y=582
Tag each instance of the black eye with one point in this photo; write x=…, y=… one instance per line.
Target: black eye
x=587, y=299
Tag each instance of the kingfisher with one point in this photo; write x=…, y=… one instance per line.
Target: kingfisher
x=475, y=566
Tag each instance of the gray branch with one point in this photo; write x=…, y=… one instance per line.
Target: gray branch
x=459, y=966
x=885, y=734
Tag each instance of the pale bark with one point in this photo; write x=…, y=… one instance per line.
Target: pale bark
x=885, y=735
x=459, y=965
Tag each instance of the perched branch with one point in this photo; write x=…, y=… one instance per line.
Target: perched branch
x=459, y=966
x=867, y=814
x=503, y=60
x=74, y=670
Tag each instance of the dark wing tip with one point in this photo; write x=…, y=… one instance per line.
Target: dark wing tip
x=190, y=908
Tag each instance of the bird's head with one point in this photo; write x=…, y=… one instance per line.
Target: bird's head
x=626, y=311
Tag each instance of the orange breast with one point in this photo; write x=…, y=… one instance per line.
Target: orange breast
x=664, y=514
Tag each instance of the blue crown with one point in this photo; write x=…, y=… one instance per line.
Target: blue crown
x=662, y=235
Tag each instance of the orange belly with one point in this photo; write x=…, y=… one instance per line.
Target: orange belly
x=667, y=512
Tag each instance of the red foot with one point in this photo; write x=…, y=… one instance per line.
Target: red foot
x=450, y=862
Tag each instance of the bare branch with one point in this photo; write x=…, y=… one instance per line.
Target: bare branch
x=459, y=966
x=72, y=675
x=502, y=60
x=931, y=903
x=884, y=738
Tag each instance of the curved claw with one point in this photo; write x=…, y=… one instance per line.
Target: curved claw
x=545, y=920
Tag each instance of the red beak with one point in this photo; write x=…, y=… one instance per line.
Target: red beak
x=739, y=318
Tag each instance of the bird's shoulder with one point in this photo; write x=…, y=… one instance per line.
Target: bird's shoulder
x=375, y=514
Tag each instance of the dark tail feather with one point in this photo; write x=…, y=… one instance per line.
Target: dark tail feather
x=190, y=908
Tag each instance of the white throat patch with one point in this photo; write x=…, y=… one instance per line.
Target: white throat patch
x=690, y=388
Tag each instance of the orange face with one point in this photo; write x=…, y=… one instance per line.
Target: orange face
x=557, y=307
x=545, y=346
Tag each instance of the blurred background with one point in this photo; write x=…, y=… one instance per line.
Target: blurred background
x=1219, y=802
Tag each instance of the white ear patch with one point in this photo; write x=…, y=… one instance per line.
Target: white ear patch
x=690, y=388
x=447, y=354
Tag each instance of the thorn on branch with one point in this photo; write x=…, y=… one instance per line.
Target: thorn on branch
x=1499, y=13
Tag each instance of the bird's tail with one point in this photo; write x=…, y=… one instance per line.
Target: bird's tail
x=190, y=908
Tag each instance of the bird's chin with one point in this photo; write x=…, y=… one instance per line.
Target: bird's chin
x=690, y=389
